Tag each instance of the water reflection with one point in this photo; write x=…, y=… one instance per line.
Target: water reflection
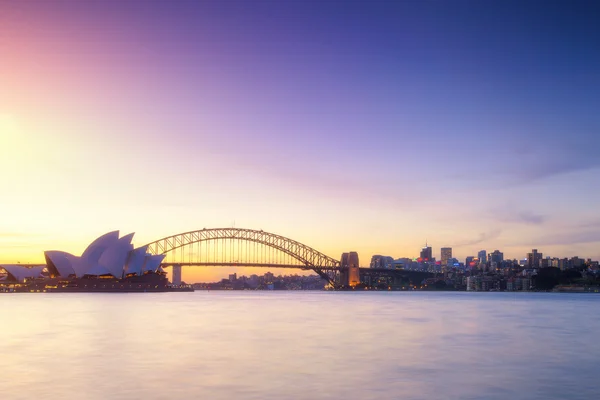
x=299, y=345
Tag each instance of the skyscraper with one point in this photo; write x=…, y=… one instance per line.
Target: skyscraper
x=496, y=257
x=426, y=253
x=533, y=259
x=446, y=253
x=482, y=255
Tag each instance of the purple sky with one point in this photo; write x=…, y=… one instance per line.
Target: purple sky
x=365, y=126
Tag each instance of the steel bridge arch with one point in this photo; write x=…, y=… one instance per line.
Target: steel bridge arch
x=309, y=257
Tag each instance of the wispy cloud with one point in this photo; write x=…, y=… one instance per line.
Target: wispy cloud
x=569, y=238
x=511, y=214
x=592, y=224
x=547, y=170
x=527, y=217
x=483, y=237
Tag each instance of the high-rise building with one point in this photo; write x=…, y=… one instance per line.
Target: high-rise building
x=176, y=278
x=232, y=277
x=469, y=260
x=533, y=259
x=496, y=257
x=426, y=253
x=446, y=253
x=482, y=255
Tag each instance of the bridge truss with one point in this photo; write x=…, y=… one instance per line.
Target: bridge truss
x=243, y=248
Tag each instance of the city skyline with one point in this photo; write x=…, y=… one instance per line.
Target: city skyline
x=367, y=127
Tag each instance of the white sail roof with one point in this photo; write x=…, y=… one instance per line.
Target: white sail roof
x=20, y=272
x=108, y=254
x=136, y=260
x=152, y=262
x=95, y=250
x=97, y=270
x=115, y=256
x=61, y=261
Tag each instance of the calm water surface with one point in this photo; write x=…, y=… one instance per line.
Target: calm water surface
x=300, y=345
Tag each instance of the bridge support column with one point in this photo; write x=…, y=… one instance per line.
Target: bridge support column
x=176, y=276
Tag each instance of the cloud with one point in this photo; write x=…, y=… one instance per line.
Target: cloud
x=569, y=238
x=528, y=217
x=548, y=170
x=593, y=224
x=509, y=214
x=483, y=237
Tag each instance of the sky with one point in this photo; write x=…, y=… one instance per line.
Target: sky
x=368, y=126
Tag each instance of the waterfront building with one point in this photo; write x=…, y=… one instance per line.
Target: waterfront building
x=108, y=255
x=474, y=283
x=487, y=283
x=109, y=264
x=511, y=285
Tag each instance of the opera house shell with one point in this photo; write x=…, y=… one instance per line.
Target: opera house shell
x=108, y=256
x=19, y=273
x=108, y=264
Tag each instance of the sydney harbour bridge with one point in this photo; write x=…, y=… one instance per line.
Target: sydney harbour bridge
x=236, y=247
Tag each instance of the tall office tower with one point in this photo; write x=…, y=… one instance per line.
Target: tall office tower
x=353, y=269
x=533, y=259
x=426, y=253
x=344, y=271
x=469, y=260
x=176, y=279
x=446, y=255
x=482, y=255
x=496, y=257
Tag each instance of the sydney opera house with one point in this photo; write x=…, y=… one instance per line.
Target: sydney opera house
x=109, y=263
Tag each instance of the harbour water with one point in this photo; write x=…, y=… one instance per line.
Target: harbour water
x=300, y=345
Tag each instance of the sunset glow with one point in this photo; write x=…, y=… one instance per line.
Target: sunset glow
x=365, y=128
